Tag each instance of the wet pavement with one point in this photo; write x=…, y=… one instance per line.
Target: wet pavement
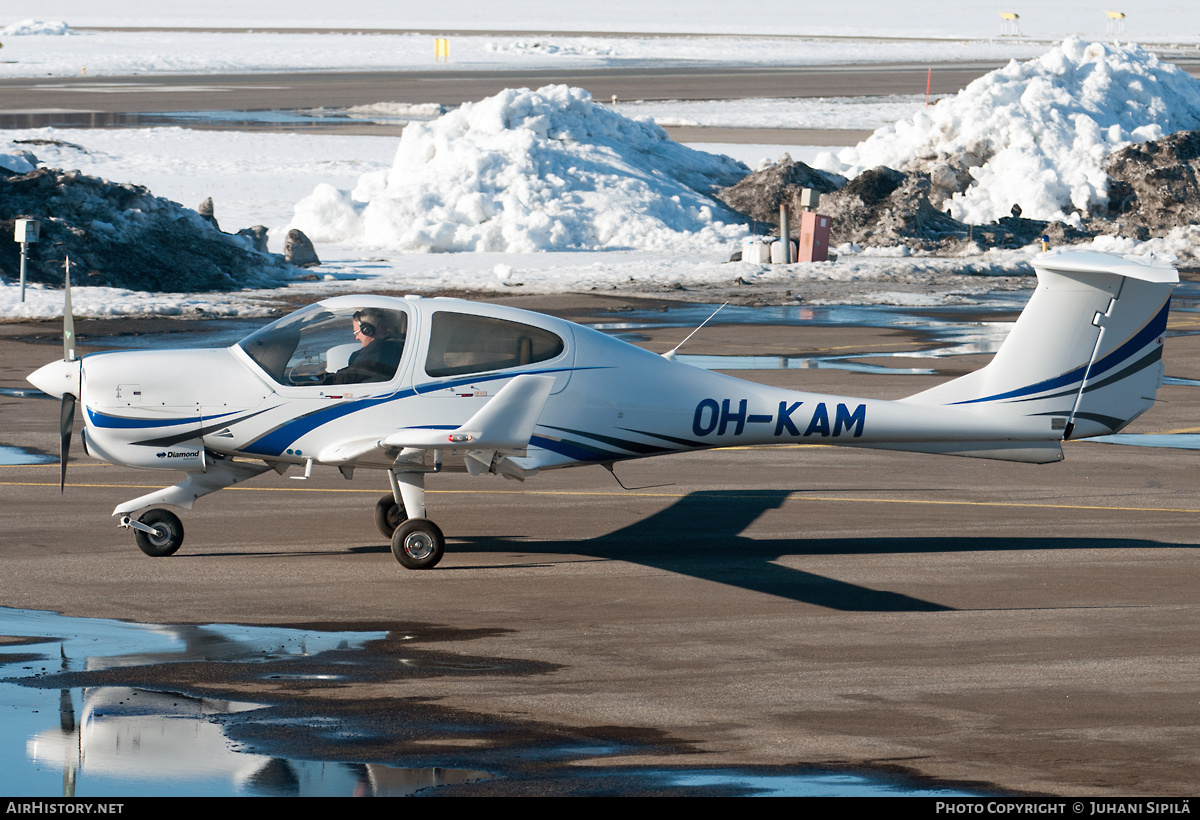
x=20, y=455
x=855, y=620
x=68, y=724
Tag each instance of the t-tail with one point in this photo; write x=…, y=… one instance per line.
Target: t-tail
x=1086, y=351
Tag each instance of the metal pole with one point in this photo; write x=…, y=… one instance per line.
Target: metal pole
x=785, y=235
x=23, y=246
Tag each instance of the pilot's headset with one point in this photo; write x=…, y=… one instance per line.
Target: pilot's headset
x=365, y=325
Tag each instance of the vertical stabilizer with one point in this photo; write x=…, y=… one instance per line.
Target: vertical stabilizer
x=1086, y=351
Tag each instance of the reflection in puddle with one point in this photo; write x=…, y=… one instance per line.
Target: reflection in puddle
x=19, y=455
x=1178, y=441
x=119, y=740
x=124, y=741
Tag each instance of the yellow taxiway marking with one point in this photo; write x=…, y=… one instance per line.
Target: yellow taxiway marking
x=792, y=495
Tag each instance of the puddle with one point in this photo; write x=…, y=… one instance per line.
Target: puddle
x=689, y=314
x=124, y=741
x=949, y=326
x=287, y=118
x=19, y=455
x=25, y=393
x=1177, y=441
x=128, y=741
x=806, y=785
x=280, y=119
x=793, y=363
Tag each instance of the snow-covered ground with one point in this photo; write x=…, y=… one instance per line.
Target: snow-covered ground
x=259, y=178
x=538, y=34
x=1150, y=20
x=119, y=53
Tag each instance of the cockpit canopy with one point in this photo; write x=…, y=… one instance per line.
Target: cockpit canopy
x=319, y=345
x=345, y=343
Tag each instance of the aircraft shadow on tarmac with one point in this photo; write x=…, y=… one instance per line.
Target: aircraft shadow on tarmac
x=701, y=536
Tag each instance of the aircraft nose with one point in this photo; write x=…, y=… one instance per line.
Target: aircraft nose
x=57, y=378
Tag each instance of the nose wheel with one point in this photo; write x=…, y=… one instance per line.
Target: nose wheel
x=158, y=533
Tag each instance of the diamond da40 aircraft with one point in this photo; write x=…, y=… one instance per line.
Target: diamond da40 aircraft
x=437, y=384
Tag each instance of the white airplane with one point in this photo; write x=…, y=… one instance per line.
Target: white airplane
x=427, y=385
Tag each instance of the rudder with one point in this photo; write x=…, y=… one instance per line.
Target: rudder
x=1086, y=351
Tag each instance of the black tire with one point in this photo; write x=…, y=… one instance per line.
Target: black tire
x=389, y=515
x=418, y=543
x=170, y=534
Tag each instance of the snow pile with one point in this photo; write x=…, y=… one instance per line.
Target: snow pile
x=25, y=27
x=532, y=171
x=1035, y=133
x=121, y=235
x=21, y=163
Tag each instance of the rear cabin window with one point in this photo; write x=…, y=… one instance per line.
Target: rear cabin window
x=463, y=343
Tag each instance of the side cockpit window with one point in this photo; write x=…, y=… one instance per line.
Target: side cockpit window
x=319, y=345
x=461, y=343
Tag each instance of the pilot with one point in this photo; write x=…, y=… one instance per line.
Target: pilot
x=377, y=359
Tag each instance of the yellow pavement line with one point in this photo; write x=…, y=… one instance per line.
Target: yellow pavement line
x=792, y=495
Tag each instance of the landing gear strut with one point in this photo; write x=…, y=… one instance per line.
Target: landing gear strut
x=417, y=542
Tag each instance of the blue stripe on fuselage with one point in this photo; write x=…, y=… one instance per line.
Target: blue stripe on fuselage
x=98, y=419
x=274, y=442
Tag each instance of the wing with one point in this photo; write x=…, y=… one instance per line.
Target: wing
x=503, y=426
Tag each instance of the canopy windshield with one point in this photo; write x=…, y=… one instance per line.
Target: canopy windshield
x=323, y=345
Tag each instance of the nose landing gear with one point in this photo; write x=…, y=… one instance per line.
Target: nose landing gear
x=158, y=533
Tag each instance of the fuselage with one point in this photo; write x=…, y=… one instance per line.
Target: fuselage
x=270, y=397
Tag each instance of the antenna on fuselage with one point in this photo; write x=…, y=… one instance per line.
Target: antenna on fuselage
x=608, y=465
x=670, y=354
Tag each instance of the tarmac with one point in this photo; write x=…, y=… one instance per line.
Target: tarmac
x=1026, y=629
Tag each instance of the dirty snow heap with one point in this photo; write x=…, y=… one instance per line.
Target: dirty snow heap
x=1035, y=134
x=533, y=171
x=121, y=235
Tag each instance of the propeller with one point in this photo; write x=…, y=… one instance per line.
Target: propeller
x=66, y=415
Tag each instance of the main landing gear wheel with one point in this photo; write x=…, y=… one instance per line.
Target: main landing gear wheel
x=418, y=543
x=167, y=537
x=389, y=515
